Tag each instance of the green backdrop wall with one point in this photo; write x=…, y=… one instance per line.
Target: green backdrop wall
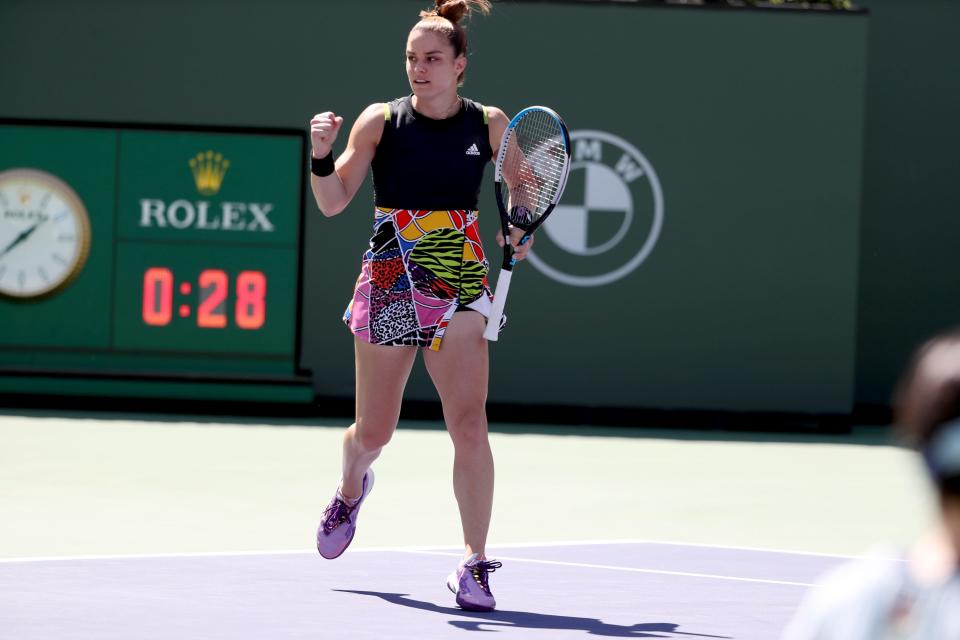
x=910, y=266
x=755, y=286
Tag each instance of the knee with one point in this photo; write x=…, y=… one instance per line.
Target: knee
x=371, y=438
x=469, y=432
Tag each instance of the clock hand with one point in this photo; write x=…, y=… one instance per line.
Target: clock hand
x=20, y=238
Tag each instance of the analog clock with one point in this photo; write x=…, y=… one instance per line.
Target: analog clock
x=44, y=234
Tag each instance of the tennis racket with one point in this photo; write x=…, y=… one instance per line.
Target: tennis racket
x=529, y=177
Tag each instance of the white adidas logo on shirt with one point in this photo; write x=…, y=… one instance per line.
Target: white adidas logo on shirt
x=473, y=151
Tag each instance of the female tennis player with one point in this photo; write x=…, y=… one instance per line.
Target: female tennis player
x=913, y=593
x=422, y=284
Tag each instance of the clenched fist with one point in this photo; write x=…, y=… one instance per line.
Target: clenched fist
x=323, y=131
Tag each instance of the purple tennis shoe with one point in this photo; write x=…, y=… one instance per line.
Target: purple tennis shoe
x=471, y=583
x=340, y=522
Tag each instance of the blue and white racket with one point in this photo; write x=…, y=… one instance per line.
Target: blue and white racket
x=530, y=173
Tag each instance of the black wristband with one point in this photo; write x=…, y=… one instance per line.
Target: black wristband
x=322, y=167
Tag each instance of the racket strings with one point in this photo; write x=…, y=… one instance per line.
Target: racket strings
x=534, y=167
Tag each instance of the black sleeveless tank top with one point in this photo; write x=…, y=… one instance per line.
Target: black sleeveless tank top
x=421, y=163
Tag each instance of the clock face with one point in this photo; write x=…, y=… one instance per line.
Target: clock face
x=44, y=234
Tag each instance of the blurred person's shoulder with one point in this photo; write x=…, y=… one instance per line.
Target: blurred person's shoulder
x=852, y=599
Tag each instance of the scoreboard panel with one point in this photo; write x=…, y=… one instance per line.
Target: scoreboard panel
x=151, y=255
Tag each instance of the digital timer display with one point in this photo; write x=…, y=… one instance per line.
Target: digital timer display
x=212, y=288
x=220, y=299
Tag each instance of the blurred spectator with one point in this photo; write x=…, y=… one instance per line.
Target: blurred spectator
x=913, y=593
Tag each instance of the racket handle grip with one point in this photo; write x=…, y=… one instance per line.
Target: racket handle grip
x=499, y=299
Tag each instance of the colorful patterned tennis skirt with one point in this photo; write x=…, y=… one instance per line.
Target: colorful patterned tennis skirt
x=421, y=266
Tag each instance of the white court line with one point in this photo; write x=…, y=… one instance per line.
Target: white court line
x=584, y=565
x=152, y=556
x=432, y=550
x=418, y=548
x=571, y=543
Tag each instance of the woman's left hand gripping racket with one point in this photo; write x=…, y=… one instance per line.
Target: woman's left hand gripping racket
x=530, y=174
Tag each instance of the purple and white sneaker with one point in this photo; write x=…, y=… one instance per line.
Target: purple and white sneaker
x=472, y=585
x=340, y=522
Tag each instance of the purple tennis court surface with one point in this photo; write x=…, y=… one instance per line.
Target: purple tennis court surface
x=618, y=590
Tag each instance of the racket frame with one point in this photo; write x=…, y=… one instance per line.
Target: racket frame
x=506, y=269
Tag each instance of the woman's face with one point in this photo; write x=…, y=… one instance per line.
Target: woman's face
x=432, y=68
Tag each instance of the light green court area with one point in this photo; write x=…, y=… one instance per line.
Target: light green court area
x=101, y=484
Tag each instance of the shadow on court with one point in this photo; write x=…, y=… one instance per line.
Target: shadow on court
x=527, y=620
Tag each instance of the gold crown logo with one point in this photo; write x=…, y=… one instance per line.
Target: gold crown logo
x=208, y=170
